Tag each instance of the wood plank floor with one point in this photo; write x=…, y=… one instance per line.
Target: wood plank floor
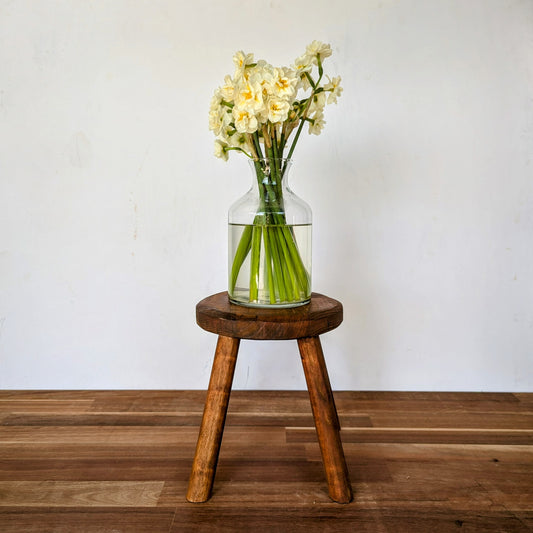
x=119, y=461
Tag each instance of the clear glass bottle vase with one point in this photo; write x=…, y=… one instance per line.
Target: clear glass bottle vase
x=270, y=241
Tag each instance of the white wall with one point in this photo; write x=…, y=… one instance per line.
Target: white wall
x=113, y=209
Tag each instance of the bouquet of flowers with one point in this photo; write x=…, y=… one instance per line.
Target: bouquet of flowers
x=261, y=112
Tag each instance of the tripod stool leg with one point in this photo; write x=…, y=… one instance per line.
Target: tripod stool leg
x=214, y=417
x=326, y=419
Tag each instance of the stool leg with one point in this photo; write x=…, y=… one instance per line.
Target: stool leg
x=214, y=417
x=326, y=420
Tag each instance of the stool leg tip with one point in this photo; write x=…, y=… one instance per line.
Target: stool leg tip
x=343, y=499
x=195, y=497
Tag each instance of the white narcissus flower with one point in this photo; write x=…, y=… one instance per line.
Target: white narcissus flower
x=260, y=77
x=241, y=61
x=227, y=91
x=221, y=150
x=318, y=103
x=334, y=88
x=318, y=48
x=226, y=133
x=283, y=84
x=256, y=68
x=245, y=122
x=278, y=109
x=239, y=140
x=219, y=115
x=249, y=96
x=317, y=123
x=303, y=64
x=260, y=69
x=213, y=113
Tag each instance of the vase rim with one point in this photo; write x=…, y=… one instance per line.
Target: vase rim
x=267, y=159
x=267, y=162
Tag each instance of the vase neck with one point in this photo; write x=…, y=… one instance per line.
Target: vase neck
x=271, y=171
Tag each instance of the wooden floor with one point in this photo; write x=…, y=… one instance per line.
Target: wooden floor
x=92, y=462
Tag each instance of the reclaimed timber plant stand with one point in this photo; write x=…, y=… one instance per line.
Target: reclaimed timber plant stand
x=234, y=322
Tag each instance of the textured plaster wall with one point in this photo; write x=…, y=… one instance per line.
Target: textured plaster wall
x=113, y=209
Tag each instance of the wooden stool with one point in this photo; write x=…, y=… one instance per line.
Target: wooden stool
x=234, y=322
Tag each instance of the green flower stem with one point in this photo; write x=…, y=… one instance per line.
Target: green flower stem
x=270, y=275
x=320, y=69
x=240, y=255
x=299, y=269
x=255, y=263
x=277, y=264
x=274, y=150
x=288, y=262
x=281, y=142
x=296, y=137
x=257, y=145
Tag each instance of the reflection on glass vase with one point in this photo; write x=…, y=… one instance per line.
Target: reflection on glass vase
x=270, y=241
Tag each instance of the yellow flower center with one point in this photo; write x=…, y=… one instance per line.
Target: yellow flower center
x=248, y=93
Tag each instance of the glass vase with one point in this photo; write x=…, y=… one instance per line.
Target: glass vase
x=270, y=241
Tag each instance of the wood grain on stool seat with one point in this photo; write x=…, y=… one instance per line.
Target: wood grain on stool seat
x=218, y=315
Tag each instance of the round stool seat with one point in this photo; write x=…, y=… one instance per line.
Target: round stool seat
x=218, y=315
